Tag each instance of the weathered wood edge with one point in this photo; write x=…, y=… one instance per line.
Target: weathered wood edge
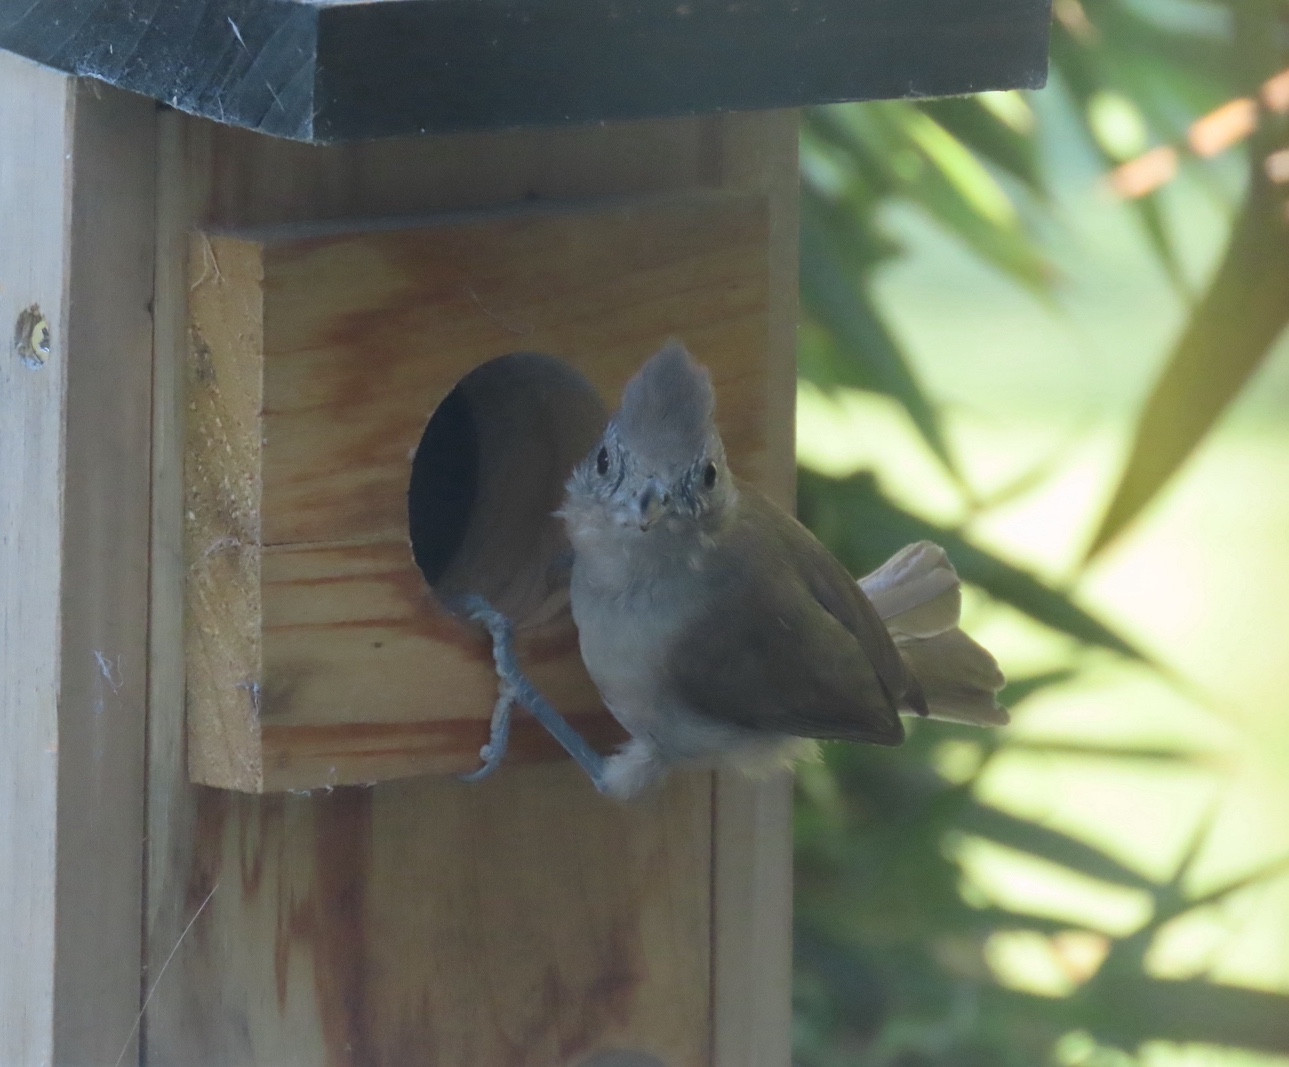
x=329, y=72
x=752, y=821
x=106, y=561
x=223, y=482
x=77, y=214
x=34, y=109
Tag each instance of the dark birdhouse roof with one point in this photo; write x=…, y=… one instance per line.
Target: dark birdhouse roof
x=334, y=70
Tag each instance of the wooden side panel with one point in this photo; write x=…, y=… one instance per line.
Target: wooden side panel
x=523, y=922
x=76, y=212
x=306, y=610
x=102, y=704
x=752, y=821
x=33, y=217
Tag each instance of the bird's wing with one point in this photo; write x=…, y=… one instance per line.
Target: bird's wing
x=834, y=588
x=787, y=643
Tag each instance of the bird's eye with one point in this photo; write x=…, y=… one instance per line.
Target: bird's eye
x=709, y=475
x=602, y=462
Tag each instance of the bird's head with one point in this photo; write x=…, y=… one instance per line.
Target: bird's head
x=660, y=464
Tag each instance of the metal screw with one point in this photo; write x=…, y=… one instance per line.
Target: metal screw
x=31, y=336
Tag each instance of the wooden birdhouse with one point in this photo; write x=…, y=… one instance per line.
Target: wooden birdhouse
x=282, y=349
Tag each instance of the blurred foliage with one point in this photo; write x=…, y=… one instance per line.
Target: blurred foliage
x=893, y=962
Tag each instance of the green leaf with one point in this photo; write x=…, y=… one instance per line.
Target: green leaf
x=1131, y=753
x=988, y=137
x=930, y=168
x=1131, y=1008
x=863, y=528
x=1021, y=689
x=1156, y=231
x=1227, y=338
x=899, y=153
x=1048, y=844
x=1264, y=872
x=1171, y=75
x=866, y=355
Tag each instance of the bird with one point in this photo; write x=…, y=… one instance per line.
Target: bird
x=718, y=630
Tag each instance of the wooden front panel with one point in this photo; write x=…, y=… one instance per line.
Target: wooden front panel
x=525, y=922
x=429, y=923
x=317, y=655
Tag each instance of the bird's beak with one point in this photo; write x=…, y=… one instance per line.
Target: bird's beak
x=651, y=503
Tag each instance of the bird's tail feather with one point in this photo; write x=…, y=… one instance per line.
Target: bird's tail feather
x=918, y=595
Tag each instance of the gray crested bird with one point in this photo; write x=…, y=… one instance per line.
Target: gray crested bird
x=718, y=630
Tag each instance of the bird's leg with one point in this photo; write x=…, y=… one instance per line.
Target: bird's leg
x=515, y=688
x=499, y=731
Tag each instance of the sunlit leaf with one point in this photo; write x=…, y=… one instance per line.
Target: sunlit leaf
x=961, y=170
x=865, y=354
x=1119, y=128
x=864, y=528
x=891, y=970
x=1170, y=70
x=1021, y=689
x=1168, y=73
x=1083, y=86
x=904, y=151
x=1225, y=341
x=1151, y=218
x=1264, y=872
x=983, y=132
x=1049, y=844
x=1130, y=753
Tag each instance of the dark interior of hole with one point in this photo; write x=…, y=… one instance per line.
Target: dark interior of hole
x=445, y=476
x=488, y=476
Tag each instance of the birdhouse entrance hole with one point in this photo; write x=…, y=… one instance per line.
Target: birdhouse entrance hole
x=488, y=476
x=321, y=650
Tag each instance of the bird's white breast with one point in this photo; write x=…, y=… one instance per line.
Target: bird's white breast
x=624, y=645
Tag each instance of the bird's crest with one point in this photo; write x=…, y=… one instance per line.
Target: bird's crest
x=667, y=408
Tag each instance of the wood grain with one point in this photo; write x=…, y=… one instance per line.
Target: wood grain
x=316, y=356
x=521, y=922
x=76, y=211
x=752, y=821
x=33, y=108
x=222, y=508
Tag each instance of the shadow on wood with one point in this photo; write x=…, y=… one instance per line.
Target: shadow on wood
x=316, y=654
x=488, y=477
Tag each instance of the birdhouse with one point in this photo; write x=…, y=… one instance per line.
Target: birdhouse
x=313, y=306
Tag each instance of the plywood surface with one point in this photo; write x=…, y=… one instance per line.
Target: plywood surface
x=317, y=355
x=521, y=922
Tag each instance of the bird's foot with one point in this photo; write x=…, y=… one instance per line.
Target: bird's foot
x=516, y=688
